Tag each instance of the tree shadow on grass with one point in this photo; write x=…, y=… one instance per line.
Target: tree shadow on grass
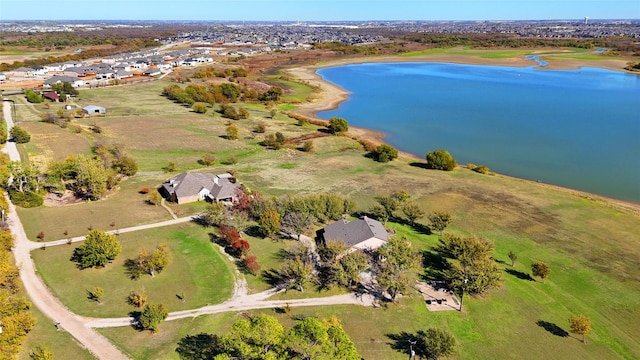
x=552, y=328
x=400, y=342
x=519, y=274
x=435, y=264
x=419, y=165
x=273, y=277
x=135, y=320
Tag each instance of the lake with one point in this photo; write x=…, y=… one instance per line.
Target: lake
x=574, y=128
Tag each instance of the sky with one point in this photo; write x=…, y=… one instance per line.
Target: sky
x=317, y=10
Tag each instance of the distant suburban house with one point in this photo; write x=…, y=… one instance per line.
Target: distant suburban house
x=189, y=187
x=23, y=72
x=152, y=71
x=51, y=95
x=360, y=234
x=59, y=79
x=94, y=109
x=3, y=77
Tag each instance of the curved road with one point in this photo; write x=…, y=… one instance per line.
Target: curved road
x=81, y=328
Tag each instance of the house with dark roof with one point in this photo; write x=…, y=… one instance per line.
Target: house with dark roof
x=189, y=187
x=51, y=95
x=360, y=234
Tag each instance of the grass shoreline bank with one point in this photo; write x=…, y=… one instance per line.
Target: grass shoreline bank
x=332, y=95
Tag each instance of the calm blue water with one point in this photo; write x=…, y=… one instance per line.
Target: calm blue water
x=573, y=128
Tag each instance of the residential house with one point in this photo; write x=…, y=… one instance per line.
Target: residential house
x=3, y=77
x=189, y=187
x=23, y=72
x=94, y=109
x=152, y=71
x=57, y=79
x=40, y=70
x=360, y=234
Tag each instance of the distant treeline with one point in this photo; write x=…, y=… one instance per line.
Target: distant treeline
x=511, y=41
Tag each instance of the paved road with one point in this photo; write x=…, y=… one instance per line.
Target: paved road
x=81, y=328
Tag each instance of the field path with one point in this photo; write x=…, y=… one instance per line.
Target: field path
x=81, y=328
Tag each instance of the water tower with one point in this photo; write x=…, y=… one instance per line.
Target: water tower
x=586, y=20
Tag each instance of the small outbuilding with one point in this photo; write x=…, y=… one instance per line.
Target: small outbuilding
x=94, y=109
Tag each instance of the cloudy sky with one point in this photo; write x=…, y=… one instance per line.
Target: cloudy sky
x=317, y=10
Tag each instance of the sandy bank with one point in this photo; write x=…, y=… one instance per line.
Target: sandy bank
x=330, y=96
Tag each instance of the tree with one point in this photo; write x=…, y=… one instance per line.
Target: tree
x=581, y=325
x=170, y=167
x=41, y=353
x=439, y=220
x=232, y=132
x=273, y=94
x=152, y=315
x=384, y=153
x=441, y=160
x=255, y=337
x=97, y=250
x=215, y=214
x=208, y=159
x=33, y=97
x=297, y=223
x=149, y=262
x=91, y=177
x=20, y=135
x=154, y=198
x=396, y=273
x=269, y=223
x=137, y=298
x=541, y=270
x=338, y=125
x=296, y=272
x=412, y=211
x=513, y=257
x=470, y=259
x=318, y=340
x=434, y=343
x=125, y=165
x=348, y=269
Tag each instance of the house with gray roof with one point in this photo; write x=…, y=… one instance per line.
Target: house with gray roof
x=190, y=186
x=360, y=234
x=58, y=79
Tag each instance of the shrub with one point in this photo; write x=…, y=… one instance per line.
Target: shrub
x=232, y=132
x=441, y=160
x=26, y=199
x=482, y=169
x=208, y=159
x=144, y=190
x=251, y=264
x=385, y=153
x=261, y=128
x=338, y=125
x=33, y=97
x=307, y=146
x=200, y=108
x=20, y=135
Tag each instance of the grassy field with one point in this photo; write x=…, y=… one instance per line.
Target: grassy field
x=591, y=245
x=198, y=273
x=59, y=342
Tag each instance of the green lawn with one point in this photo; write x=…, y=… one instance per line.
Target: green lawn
x=59, y=342
x=197, y=271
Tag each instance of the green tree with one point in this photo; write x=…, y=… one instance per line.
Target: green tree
x=97, y=250
x=33, y=97
x=541, y=270
x=232, y=132
x=297, y=223
x=349, y=267
x=170, y=167
x=125, y=165
x=269, y=223
x=149, y=262
x=20, y=135
x=581, y=325
x=412, y=211
x=434, y=343
x=513, y=257
x=441, y=160
x=380, y=213
x=215, y=214
x=152, y=315
x=91, y=177
x=296, y=272
x=470, y=259
x=439, y=220
x=154, y=198
x=314, y=339
x=397, y=272
x=384, y=153
x=255, y=337
x=200, y=108
x=208, y=159
x=230, y=91
x=41, y=353
x=338, y=125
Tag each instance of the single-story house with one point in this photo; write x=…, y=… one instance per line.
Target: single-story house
x=360, y=234
x=152, y=71
x=189, y=187
x=94, y=109
x=51, y=95
x=23, y=72
x=58, y=79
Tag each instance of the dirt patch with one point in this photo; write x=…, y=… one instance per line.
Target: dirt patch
x=64, y=199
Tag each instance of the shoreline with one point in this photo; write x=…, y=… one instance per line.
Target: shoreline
x=330, y=96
